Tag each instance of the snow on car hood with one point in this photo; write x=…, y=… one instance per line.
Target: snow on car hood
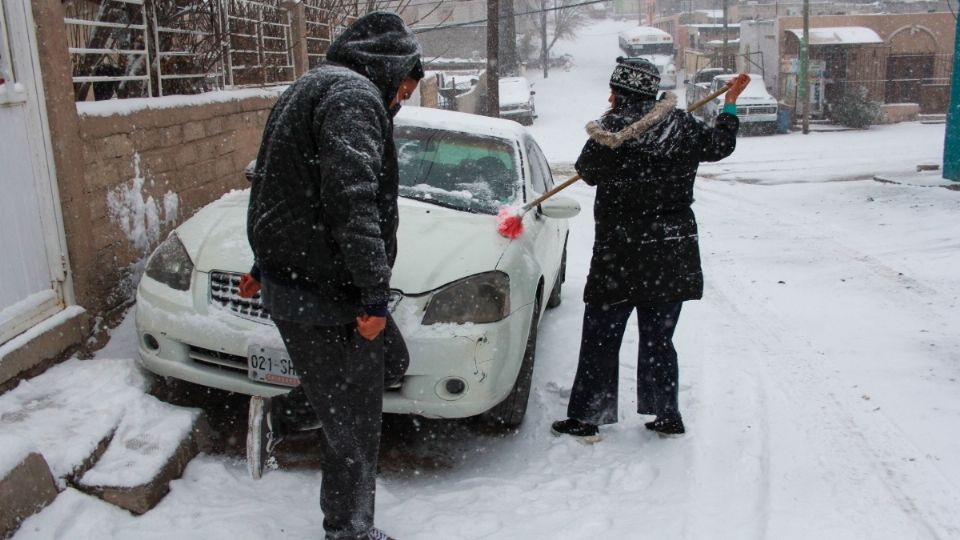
x=436, y=245
x=659, y=60
x=216, y=236
x=514, y=91
x=439, y=245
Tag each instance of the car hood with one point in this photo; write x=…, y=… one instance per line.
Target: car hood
x=436, y=245
x=514, y=93
x=439, y=245
x=756, y=100
x=216, y=236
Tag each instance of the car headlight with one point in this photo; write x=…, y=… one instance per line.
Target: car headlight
x=171, y=265
x=483, y=298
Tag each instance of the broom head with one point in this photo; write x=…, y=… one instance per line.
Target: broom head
x=509, y=223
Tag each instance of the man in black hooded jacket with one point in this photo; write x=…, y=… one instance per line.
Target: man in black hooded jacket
x=322, y=223
x=643, y=157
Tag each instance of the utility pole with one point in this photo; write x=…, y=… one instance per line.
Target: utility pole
x=544, y=53
x=725, y=62
x=951, y=139
x=804, y=75
x=509, y=59
x=493, y=58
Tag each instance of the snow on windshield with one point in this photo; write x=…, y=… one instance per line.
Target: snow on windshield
x=457, y=170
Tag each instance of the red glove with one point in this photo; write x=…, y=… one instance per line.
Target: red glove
x=737, y=86
x=249, y=287
x=370, y=326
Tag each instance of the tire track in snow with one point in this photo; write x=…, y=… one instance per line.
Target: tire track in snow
x=849, y=445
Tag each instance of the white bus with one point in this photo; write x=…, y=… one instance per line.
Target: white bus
x=654, y=45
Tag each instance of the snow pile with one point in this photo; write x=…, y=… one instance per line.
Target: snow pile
x=138, y=216
x=39, y=329
x=75, y=515
x=68, y=410
x=22, y=307
x=148, y=435
x=13, y=450
x=112, y=107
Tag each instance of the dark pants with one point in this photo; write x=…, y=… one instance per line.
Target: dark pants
x=594, y=395
x=341, y=392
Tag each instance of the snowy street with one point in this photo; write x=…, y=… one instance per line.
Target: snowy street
x=820, y=374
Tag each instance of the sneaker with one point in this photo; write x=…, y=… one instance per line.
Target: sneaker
x=261, y=438
x=583, y=431
x=667, y=426
x=377, y=534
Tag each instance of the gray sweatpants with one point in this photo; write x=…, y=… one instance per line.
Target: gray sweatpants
x=341, y=393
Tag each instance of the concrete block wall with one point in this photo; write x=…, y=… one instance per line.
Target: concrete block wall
x=193, y=153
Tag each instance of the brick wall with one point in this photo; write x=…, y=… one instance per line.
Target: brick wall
x=134, y=161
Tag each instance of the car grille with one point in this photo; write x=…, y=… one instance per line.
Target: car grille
x=218, y=359
x=225, y=294
x=759, y=110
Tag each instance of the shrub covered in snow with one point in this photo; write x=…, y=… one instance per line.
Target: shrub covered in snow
x=855, y=109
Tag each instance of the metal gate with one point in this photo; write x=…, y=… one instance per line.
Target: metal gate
x=32, y=256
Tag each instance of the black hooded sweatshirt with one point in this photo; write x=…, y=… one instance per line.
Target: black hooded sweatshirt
x=643, y=158
x=322, y=219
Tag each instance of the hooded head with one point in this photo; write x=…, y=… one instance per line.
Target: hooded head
x=635, y=78
x=381, y=47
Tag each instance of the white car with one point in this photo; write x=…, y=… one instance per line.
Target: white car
x=756, y=108
x=655, y=45
x=467, y=300
x=516, y=100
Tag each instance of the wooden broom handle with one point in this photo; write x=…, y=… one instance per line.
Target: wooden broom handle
x=550, y=193
x=710, y=97
x=570, y=181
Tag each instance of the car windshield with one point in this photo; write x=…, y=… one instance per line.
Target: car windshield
x=457, y=170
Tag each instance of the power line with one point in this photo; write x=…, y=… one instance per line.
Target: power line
x=478, y=21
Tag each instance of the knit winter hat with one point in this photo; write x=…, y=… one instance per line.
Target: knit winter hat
x=636, y=75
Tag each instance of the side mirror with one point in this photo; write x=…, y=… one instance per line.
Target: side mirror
x=249, y=172
x=686, y=81
x=533, y=92
x=560, y=208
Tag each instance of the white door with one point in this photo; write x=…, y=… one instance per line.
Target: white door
x=32, y=261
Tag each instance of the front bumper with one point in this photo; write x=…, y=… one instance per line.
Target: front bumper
x=198, y=342
x=757, y=118
x=514, y=113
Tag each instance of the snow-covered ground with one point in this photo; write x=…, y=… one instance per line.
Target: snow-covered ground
x=819, y=375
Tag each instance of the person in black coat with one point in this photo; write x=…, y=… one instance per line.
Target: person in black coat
x=322, y=222
x=642, y=156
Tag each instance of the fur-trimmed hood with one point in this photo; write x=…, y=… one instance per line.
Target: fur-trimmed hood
x=656, y=120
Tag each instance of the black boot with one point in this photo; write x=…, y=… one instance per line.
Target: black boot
x=667, y=425
x=583, y=431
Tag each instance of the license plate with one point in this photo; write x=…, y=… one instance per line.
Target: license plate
x=270, y=365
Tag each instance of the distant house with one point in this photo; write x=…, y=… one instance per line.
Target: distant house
x=904, y=58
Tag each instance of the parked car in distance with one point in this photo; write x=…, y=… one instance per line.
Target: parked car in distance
x=516, y=100
x=756, y=108
x=699, y=87
x=467, y=300
x=655, y=45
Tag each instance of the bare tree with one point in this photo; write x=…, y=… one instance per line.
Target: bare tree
x=555, y=20
x=193, y=42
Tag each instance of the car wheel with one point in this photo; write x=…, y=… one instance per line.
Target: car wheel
x=555, y=299
x=510, y=411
